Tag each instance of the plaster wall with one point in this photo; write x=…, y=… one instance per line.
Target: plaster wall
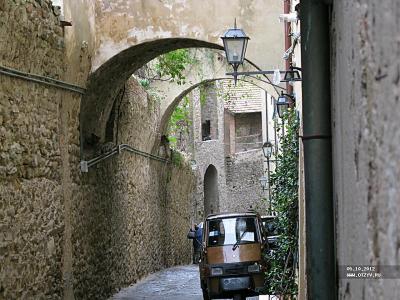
x=130, y=33
x=122, y=24
x=366, y=156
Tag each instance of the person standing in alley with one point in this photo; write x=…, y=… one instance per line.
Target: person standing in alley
x=195, y=233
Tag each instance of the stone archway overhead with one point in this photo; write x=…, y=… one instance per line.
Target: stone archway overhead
x=166, y=115
x=105, y=83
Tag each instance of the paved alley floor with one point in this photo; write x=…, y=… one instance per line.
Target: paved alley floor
x=178, y=283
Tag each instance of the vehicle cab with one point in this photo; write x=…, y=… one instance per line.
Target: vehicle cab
x=232, y=262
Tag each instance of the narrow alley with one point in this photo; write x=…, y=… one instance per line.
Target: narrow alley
x=177, y=283
x=258, y=138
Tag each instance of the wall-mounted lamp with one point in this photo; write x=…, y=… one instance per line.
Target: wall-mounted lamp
x=267, y=149
x=283, y=103
x=292, y=75
x=235, y=43
x=193, y=165
x=263, y=182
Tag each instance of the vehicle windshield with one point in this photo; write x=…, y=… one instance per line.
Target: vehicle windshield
x=231, y=231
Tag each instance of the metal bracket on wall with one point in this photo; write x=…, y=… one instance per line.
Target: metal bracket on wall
x=315, y=137
x=86, y=164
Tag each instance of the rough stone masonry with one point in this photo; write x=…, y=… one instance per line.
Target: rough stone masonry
x=63, y=233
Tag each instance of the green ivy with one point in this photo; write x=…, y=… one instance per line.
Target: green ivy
x=180, y=121
x=172, y=65
x=144, y=82
x=177, y=159
x=281, y=276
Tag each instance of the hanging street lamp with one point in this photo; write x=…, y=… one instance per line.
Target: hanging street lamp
x=283, y=103
x=267, y=149
x=292, y=75
x=235, y=44
x=263, y=181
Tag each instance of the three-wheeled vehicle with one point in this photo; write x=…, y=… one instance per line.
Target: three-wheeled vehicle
x=232, y=261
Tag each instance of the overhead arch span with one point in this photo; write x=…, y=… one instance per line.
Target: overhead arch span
x=171, y=107
x=105, y=83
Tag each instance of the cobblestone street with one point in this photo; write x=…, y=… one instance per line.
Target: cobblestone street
x=178, y=283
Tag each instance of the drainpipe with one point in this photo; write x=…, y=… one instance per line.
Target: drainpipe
x=315, y=53
x=288, y=43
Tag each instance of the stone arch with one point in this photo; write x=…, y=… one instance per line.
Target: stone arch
x=171, y=107
x=105, y=83
x=211, y=193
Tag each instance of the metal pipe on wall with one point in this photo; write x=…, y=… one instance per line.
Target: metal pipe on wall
x=288, y=42
x=315, y=52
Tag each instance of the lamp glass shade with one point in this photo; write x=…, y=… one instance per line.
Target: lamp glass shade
x=267, y=149
x=282, y=105
x=235, y=44
x=263, y=181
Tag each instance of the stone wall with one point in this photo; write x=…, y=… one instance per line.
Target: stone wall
x=243, y=171
x=133, y=216
x=209, y=112
x=64, y=234
x=31, y=201
x=248, y=129
x=208, y=153
x=366, y=156
x=239, y=188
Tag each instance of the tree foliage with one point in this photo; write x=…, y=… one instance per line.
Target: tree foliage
x=173, y=64
x=281, y=276
x=179, y=122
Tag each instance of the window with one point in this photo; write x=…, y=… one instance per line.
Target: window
x=229, y=231
x=206, y=130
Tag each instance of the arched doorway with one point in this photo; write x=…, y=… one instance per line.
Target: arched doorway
x=211, y=199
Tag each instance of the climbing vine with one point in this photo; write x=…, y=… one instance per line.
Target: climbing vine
x=171, y=67
x=281, y=276
x=179, y=122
